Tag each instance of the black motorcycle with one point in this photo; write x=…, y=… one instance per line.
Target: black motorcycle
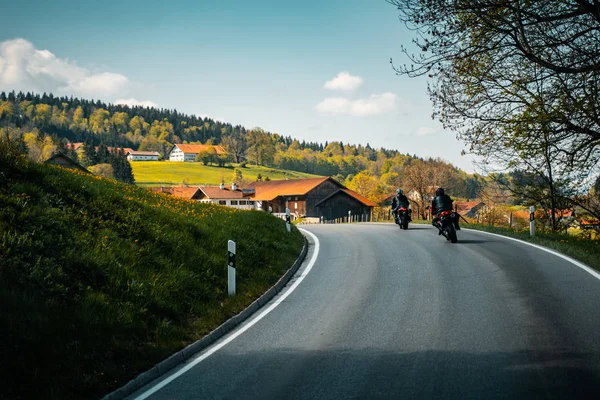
x=403, y=217
x=447, y=225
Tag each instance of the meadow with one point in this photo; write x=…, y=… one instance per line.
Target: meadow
x=168, y=173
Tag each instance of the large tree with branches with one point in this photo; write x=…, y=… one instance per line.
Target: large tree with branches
x=518, y=80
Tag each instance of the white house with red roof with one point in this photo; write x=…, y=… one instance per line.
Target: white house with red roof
x=188, y=152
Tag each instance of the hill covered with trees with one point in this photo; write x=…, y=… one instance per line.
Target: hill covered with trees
x=50, y=122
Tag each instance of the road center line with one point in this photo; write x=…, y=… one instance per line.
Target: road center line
x=238, y=332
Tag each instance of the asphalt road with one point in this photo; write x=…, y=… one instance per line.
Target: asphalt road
x=394, y=314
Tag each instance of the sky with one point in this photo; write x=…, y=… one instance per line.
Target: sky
x=315, y=70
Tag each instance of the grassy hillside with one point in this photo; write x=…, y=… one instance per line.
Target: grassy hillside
x=152, y=172
x=100, y=280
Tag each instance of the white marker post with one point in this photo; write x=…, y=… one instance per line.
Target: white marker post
x=531, y=221
x=231, y=268
x=288, y=220
x=349, y=213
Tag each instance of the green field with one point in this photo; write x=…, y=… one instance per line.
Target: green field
x=148, y=173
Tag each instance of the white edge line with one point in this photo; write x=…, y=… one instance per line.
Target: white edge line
x=237, y=333
x=581, y=265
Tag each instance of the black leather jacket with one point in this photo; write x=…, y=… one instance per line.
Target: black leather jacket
x=441, y=203
x=399, y=200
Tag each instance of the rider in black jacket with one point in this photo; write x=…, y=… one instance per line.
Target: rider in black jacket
x=441, y=202
x=399, y=200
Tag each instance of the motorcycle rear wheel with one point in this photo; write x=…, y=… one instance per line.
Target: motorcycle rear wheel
x=452, y=234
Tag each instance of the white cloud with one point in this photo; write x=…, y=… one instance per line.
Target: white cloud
x=425, y=131
x=344, y=81
x=134, y=102
x=376, y=104
x=334, y=105
x=25, y=68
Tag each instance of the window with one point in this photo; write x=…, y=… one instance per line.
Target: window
x=234, y=202
x=243, y=202
x=250, y=203
x=223, y=202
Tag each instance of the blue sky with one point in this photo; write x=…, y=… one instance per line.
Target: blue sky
x=257, y=63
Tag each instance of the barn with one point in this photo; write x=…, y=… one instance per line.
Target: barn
x=302, y=197
x=343, y=203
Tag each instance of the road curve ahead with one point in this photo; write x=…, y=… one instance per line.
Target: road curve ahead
x=393, y=314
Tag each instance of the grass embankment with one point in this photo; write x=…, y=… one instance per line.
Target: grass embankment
x=101, y=280
x=149, y=173
x=584, y=250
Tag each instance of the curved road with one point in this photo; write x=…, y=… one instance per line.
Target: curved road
x=393, y=314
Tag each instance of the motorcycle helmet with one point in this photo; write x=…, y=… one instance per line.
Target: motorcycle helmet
x=439, y=191
x=398, y=191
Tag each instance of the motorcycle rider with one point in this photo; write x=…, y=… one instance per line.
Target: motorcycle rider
x=400, y=200
x=441, y=202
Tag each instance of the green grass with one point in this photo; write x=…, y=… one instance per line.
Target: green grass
x=101, y=280
x=167, y=172
x=584, y=250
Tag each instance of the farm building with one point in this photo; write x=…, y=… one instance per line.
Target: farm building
x=188, y=152
x=302, y=197
x=133, y=155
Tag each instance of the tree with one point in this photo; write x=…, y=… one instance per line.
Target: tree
x=235, y=144
x=103, y=170
x=208, y=156
x=365, y=184
x=500, y=65
x=261, y=147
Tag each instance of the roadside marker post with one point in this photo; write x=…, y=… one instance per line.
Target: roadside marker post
x=531, y=221
x=288, y=219
x=349, y=216
x=231, y=268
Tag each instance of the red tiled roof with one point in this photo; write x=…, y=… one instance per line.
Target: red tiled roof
x=185, y=191
x=198, y=148
x=74, y=146
x=162, y=189
x=215, y=192
x=352, y=194
x=360, y=198
x=269, y=190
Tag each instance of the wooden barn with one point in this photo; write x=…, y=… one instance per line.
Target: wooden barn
x=343, y=203
x=303, y=196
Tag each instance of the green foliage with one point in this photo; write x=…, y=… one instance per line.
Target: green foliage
x=100, y=280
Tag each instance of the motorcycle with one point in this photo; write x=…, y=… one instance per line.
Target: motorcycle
x=446, y=225
x=403, y=217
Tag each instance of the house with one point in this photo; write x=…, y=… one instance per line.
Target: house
x=345, y=202
x=232, y=197
x=133, y=155
x=302, y=197
x=66, y=162
x=188, y=152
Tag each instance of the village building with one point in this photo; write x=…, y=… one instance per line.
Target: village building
x=66, y=162
x=133, y=155
x=345, y=203
x=221, y=195
x=305, y=198
x=189, y=152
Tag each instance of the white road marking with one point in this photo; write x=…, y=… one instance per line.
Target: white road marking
x=547, y=250
x=237, y=333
